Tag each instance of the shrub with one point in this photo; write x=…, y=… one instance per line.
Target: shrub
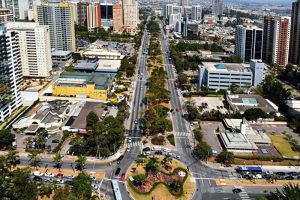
x=171, y=139
x=158, y=140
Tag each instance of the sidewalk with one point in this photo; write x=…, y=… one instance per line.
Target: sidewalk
x=257, y=182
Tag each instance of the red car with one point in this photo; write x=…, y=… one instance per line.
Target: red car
x=59, y=175
x=177, y=109
x=122, y=177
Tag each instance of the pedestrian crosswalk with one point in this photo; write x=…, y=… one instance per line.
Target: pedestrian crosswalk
x=181, y=134
x=243, y=195
x=134, y=144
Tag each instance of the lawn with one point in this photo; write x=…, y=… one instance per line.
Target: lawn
x=158, y=140
x=171, y=139
x=283, y=146
x=161, y=192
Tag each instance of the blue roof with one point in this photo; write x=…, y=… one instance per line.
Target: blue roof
x=220, y=66
x=90, y=66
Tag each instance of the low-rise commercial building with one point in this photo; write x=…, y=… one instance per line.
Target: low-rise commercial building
x=88, y=85
x=61, y=57
x=217, y=76
x=242, y=102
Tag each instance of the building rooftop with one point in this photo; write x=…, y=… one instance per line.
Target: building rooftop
x=226, y=67
x=102, y=81
x=243, y=102
x=86, y=65
x=60, y=53
x=238, y=141
x=108, y=65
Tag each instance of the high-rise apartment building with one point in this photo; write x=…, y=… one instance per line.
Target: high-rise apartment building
x=10, y=73
x=131, y=16
x=82, y=14
x=217, y=7
x=59, y=16
x=196, y=13
x=6, y=16
x=168, y=10
x=276, y=38
x=184, y=3
x=118, y=25
x=19, y=8
x=35, y=49
x=294, y=55
x=93, y=16
x=248, y=42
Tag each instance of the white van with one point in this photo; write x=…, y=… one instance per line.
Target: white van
x=167, y=150
x=156, y=148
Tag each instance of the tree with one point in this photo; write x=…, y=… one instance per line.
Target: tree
x=80, y=162
x=140, y=179
x=261, y=198
x=166, y=161
x=45, y=190
x=255, y=113
x=34, y=158
x=82, y=186
x=226, y=157
x=57, y=159
x=198, y=134
x=203, y=151
x=6, y=139
x=289, y=192
x=152, y=165
x=12, y=158
x=91, y=119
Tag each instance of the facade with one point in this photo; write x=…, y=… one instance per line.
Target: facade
x=276, y=40
x=217, y=7
x=59, y=57
x=295, y=34
x=6, y=16
x=184, y=3
x=249, y=42
x=35, y=49
x=10, y=73
x=89, y=85
x=107, y=15
x=185, y=26
x=19, y=8
x=217, y=76
x=82, y=14
x=168, y=10
x=175, y=22
x=93, y=17
x=131, y=16
x=60, y=18
x=196, y=13
x=118, y=25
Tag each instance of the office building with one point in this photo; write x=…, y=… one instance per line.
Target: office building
x=93, y=17
x=295, y=34
x=177, y=9
x=60, y=18
x=131, y=16
x=248, y=42
x=118, y=25
x=35, y=49
x=10, y=73
x=184, y=3
x=6, y=16
x=217, y=7
x=175, y=22
x=196, y=13
x=276, y=38
x=185, y=25
x=217, y=76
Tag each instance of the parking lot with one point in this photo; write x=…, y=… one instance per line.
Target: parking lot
x=210, y=135
x=210, y=103
x=126, y=49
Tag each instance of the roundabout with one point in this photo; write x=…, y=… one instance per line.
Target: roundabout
x=159, y=177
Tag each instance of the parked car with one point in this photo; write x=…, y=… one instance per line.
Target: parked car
x=147, y=149
x=120, y=158
x=59, y=175
x=49, y=175
x=293, y=173
x=237, y=190
x=60, y=181
x=55, y=141
x=280, y=173
x=117, y=171
x=37, y=178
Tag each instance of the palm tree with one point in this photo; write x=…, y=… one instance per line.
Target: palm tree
x=57, y=159
x=289, y=192
x=152, y=164
x=35, y=158
x=11, y=158
x=166, y=160
x=80, y=162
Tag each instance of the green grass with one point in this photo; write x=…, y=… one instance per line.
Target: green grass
x=158, y=140
x=171, y=139
x=283, y=146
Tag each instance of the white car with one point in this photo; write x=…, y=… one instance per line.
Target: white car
x=128, y=149
x=95, y=186
x=60, y=181
x=129, y=140
x=147, y=152
x=50, y=175
x=37, y=173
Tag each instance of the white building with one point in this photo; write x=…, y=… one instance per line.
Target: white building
x=217, y=76
x=175, y=22
x=60, y=18
x=35, y=49
x=131, y=16
x=10, y=73
x=6, y=15
x=248, y=42
x=196, y=13
x=19, y=8
x=168, y=10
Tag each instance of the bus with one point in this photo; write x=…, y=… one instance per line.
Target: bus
x=249, y=170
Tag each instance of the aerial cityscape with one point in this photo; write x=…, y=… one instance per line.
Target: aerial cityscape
x=149, y=100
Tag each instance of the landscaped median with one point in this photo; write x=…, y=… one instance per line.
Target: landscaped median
x=254, y=182
x=159, y=177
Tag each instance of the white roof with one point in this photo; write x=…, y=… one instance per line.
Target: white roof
x=226, y=67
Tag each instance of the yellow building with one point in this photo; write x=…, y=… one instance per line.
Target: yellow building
x=90, y=85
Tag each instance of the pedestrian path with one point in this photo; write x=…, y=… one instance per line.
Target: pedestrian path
x=243, y=195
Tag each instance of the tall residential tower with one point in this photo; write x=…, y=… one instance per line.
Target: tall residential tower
x=295, y=34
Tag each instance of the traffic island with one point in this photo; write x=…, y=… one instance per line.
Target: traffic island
x=159, y=178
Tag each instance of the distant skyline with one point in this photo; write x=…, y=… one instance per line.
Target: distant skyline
x=263, y=1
